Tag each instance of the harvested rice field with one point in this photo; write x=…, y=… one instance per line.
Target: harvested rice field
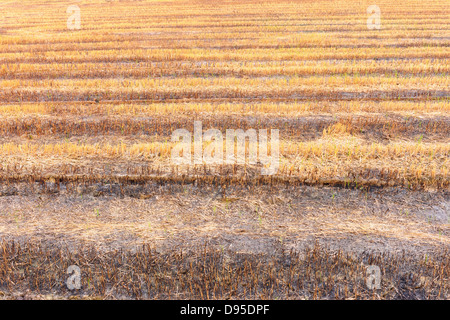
x=225, y=149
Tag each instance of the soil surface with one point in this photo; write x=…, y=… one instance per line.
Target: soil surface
x=240, y=219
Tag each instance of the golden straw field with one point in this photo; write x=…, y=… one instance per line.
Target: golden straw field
x=86, y=122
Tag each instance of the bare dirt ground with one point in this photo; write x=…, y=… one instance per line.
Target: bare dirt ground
x=207, y=236
x=241, y=219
